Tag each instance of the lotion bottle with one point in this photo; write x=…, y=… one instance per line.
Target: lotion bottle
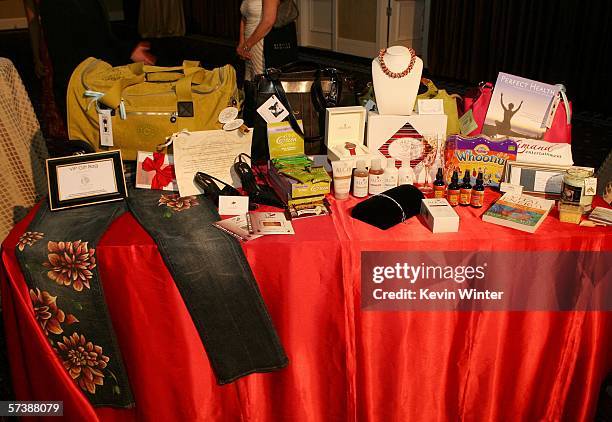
x=376, y=177
x=342, y=171
x=391, y=174
x=405, y=174
x=360, y=180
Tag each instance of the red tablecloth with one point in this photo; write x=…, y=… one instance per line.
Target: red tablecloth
x=345, y=364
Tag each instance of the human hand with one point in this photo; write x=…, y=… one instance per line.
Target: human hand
x=243, y=51
x=240, y=49
x=141, y=53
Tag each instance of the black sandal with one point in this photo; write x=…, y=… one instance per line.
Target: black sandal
x=211, y=190
x=258, y=193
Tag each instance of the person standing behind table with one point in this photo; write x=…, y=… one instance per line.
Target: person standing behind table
x=258, y=18
x=51, y=121
x=78, y=29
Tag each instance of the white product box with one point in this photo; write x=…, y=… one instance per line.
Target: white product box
x=439, y=215
x=342, y=125
x=401, y=138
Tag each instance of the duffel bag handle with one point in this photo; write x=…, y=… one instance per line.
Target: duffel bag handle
x=161, y=73
x=169, y=74
x=112, y=97
x=184, y=104
x=184, y=98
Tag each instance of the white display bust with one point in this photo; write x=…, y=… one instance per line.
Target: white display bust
x=396, y=95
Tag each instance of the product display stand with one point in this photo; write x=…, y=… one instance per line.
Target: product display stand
x=396, y=90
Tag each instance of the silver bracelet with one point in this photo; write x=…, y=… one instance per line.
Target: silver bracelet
x=396, y=203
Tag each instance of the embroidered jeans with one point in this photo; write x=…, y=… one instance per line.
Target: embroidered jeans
x=58, y=258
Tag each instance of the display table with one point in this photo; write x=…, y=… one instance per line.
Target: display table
x=345, y=364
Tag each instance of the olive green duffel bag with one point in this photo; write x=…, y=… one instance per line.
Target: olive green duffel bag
x=145, y=104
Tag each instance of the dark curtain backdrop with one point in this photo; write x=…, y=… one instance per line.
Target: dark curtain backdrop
x=215, y=18
x=563, y=41
x=131, y=9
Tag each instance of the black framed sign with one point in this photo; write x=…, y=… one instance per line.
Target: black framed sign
x=87, y=179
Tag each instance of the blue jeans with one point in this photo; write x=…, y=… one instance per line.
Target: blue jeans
x=58, y=260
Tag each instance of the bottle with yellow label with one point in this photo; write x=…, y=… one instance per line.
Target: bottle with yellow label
x=439, y=185
x=454, y=190
x=465, y=193
x=477, y=199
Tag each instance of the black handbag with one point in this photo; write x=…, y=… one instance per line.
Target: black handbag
x=305, y=94
x=280, y=46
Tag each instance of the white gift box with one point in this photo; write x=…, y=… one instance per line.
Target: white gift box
x=400, y=138
x=439, y=215
x=342, y=125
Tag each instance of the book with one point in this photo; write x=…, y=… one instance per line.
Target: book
x=520, y=107
x=601, y=215
x=237, y=227
x=518, y=211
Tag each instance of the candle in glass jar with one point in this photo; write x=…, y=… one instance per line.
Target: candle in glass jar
x=573, y=191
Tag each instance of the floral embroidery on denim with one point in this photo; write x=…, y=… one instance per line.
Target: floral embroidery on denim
x=83, y=360
x=70, y=263
x=29, y=239
x=47, y=314
x=176, y=203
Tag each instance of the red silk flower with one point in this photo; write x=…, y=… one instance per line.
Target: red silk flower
x=163, y=175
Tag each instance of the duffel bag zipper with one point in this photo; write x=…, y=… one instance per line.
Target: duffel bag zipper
x=172, y=114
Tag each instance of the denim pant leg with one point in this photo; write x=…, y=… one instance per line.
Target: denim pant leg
x=58, y=258
x=215, y=281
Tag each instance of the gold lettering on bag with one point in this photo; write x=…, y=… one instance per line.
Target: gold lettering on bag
x=147, y=131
